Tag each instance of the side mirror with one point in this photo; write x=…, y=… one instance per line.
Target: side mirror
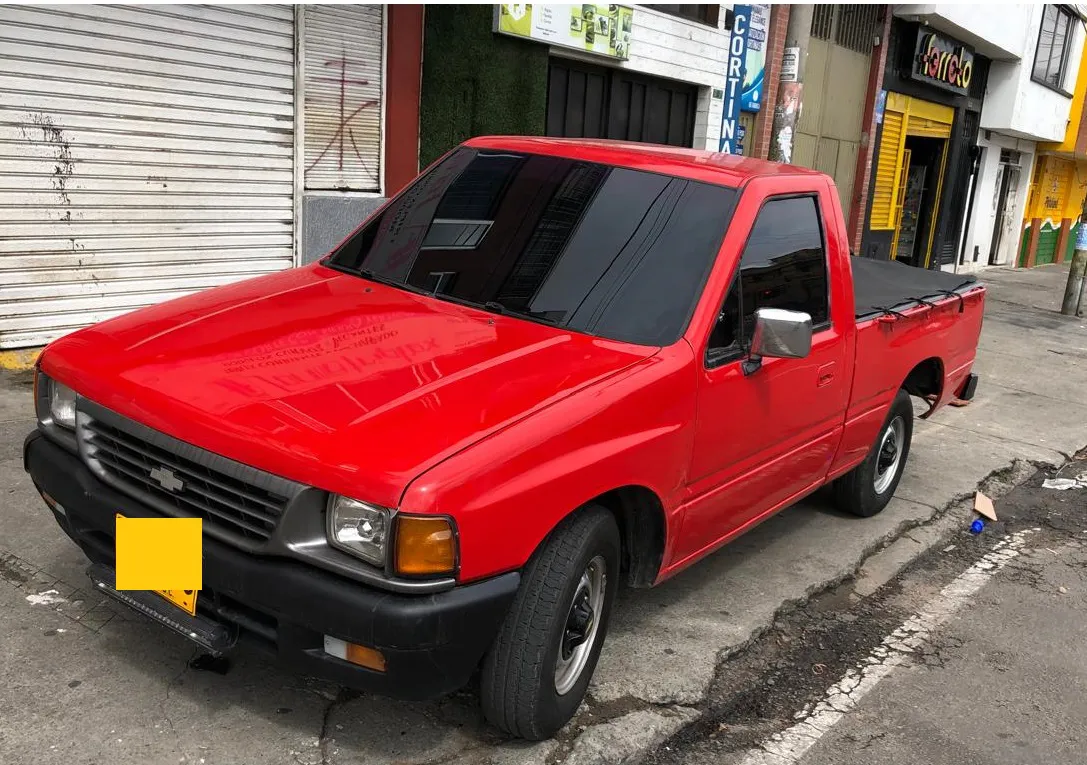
x=778, y=334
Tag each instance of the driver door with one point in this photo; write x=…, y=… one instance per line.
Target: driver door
x=763, y=438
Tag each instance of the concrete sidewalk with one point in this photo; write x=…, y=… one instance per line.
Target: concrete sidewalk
x=86, y=683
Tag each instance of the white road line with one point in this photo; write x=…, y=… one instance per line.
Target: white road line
x=788, y=746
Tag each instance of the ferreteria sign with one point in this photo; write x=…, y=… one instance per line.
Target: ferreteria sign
x=943, y=63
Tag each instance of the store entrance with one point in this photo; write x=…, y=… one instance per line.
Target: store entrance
x=908, y=181
x=922, y=162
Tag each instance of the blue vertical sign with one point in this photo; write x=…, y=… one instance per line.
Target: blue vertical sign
x=737, y=52
x=755, y=60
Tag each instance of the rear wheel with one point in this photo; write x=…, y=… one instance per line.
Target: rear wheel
x=867, y=489
x=538, y=670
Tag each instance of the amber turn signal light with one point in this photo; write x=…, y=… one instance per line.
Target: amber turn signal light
x=425, y=544
x=371, y=658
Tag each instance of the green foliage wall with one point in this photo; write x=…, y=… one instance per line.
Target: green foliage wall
x=476, y=82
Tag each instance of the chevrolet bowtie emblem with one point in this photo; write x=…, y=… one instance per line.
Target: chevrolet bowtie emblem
x=167, y=479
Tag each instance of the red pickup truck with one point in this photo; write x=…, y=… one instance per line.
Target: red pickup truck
x=544, y=369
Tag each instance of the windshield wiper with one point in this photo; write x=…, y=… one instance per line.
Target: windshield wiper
x=368, y=274
x=495, y=307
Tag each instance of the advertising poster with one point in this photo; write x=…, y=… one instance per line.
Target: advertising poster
x=790, y=65
x=734, y=79
x=602, y=29
x=755, y=61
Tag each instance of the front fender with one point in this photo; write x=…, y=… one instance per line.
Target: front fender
x=510, y=490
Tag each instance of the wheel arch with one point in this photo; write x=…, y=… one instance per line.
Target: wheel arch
x=926, y=379
x=640, y=515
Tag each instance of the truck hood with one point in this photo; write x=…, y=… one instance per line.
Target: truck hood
x=327, y=378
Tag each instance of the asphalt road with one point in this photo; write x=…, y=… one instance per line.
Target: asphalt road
x=999, y=677
x=86, y=683
x=1011, y=683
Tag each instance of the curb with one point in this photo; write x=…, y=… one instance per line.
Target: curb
x=19, y=360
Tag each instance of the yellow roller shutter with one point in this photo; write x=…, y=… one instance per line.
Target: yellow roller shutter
x=887, y=167
x=926, y=128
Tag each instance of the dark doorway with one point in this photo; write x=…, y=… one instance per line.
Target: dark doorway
x=585, y=101
x=1004, y=225
x=922, y=162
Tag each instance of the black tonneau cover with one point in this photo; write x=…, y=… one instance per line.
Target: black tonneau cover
x=883, y=286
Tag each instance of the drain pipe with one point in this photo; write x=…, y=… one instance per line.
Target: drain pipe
x=975, y=156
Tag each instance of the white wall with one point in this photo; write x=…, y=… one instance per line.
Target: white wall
x=1015, y=104
x=983, y=217
x=993, y=31
x=666, y=46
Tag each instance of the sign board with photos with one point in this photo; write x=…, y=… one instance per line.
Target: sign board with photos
x=755, y=64
x=601, y=29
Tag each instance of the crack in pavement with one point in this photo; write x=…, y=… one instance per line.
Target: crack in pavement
x=999, y=438
x=343, y=696
x=1004, y=386
x=166, y=698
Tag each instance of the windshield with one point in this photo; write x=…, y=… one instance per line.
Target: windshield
x=608, y=251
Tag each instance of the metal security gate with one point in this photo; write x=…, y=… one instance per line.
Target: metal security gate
x=344, y=52
x=828, y=133
x=585, y=101
x=145, y=153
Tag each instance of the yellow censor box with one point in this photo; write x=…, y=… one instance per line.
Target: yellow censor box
x=161, y=554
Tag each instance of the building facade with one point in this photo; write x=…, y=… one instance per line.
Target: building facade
x=1058, y=188
x=1035, y=53
x=153, y=151
x=513, y=69
x=967, y=96
x=928, y=115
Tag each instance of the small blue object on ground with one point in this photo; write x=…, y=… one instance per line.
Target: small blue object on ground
x=977, y=526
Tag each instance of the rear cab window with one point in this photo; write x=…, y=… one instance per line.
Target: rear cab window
x=783, y=265
x=604, y=250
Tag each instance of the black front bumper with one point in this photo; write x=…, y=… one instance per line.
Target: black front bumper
x=431, y=643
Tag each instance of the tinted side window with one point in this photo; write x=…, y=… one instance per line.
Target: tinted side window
x=784, y=264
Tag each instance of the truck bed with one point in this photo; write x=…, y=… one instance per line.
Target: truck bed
x=907, y=319
x=882, y=286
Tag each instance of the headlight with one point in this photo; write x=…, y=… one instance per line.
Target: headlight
x=62, y=404
x=359, y=528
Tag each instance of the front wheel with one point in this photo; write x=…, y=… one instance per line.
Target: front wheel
x=867, y=489
x=536, y=674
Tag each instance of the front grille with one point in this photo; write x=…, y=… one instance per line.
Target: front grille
x=175, y=477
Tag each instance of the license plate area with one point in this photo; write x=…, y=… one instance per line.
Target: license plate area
x=214, y=637
x=183, y=599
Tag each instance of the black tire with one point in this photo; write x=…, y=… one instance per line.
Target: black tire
x=866, y=489
x=518, y=679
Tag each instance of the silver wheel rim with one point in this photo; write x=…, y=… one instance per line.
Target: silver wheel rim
x=582, y=625
x=889, y=456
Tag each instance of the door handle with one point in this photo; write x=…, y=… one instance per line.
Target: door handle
x=825, y=375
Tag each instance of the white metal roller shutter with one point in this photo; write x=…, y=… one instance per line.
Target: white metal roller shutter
x=343, y=47
x=145, y=153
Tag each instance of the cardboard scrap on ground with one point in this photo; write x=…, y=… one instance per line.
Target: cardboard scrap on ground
x=984, y=506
